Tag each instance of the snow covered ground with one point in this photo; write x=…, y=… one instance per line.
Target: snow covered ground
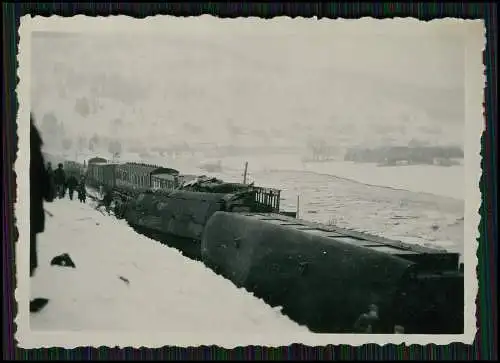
x=125, y=282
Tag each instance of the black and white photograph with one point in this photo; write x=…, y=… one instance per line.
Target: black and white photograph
x=198, y=180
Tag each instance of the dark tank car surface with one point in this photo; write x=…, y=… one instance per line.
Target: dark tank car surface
x=326, y=277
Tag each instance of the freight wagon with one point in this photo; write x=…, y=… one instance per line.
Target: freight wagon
x=134, y=176
x=101, y=173
x=141, y=177
x=130, y=178
x=73, y=168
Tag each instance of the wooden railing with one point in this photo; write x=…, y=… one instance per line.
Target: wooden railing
x=268, y=198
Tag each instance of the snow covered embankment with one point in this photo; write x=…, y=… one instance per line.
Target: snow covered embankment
x=124, y=281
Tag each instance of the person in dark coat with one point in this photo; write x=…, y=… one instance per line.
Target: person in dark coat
x=50, y=171
x=82, y=192
x=60, y=181
x=120, y=207
x=71, y=183
x=41, y=189
x=106, y=200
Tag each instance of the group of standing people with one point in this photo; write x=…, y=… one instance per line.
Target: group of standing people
x=70, y=184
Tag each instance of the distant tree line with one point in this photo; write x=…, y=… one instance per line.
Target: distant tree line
x=392, y=155
x=320, y=150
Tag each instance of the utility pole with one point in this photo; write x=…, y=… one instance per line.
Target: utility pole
x=297, y=213
x=245, y=173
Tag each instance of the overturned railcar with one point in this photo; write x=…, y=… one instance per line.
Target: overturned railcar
x=326, y=277
x=258, y=199
x=176, y=219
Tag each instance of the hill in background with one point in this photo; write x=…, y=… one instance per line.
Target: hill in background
x=228, y=83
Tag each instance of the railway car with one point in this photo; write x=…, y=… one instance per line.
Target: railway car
x=177, y=218
x=261, y=199
x=97, y=160
x=134, y=176
x=164, y=179
x=92, y=171
x=73, y=168
x=326, y=277
x=129, y=179
x=101, y=173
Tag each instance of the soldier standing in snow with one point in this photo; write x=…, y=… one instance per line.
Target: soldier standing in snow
x=120, y=207
x=82, y=192
x=72, y=183
x=106, y=199
x=60, y=181
x=41, y=189
x=50, y=171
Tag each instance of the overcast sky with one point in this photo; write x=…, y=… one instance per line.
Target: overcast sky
x=204, y=70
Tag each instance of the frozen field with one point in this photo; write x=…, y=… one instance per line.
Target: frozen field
x=403, y=215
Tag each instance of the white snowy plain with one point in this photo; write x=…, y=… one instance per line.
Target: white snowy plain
x=124, y=281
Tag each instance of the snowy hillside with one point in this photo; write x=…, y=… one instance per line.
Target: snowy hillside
x=222, y=83
x=124, y=281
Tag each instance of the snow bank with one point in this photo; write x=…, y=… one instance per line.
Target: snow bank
x=125, y=281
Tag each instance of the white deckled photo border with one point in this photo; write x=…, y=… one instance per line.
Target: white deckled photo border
x=474, y=33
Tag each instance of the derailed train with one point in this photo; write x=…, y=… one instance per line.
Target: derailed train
x=323, y=276
x=131, y=178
